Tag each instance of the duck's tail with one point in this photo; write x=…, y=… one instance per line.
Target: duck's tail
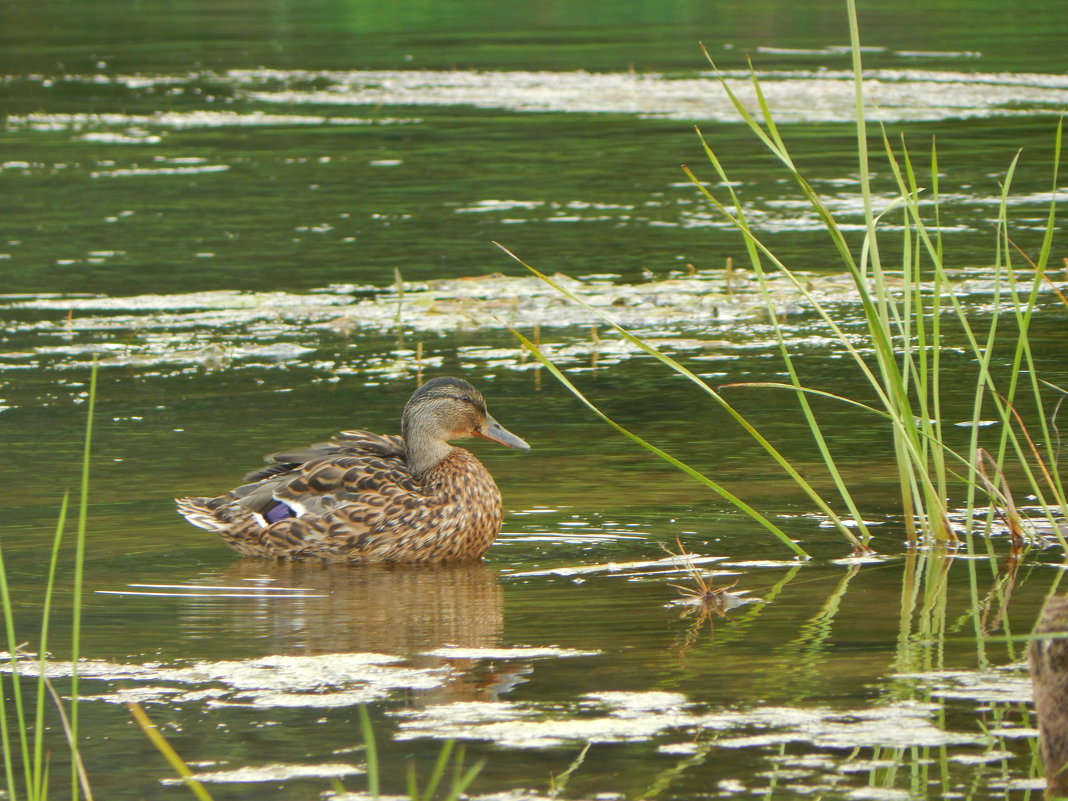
x=239, y=528
x=201, y=513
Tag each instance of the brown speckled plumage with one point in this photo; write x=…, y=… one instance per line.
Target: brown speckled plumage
x=365, y=497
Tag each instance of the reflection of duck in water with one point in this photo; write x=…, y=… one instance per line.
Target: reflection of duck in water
x=416, y=613
x=372, y=608
x=366, y=497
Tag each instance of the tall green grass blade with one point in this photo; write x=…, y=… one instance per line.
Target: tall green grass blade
x=819, y=393
x=79, y=570
x=754, y=256
x=983, y=352
x=1024, y=312
x=918, y=437
x=743, y=112
x=777, y=148
x=905, y=333
x=156, y=737
x=806, y=409
x=42, y=655
x=371, y=751
x=715, y=487
x=915, y=371
x=5, y=734
x=1002, y=265
x=412, y=782
x=462, y=779
x=16, y=689
x=558, y=781
x=439, y=770
x=924, y=360
x=862, y=131
x=756, y=249
x=888, y=390
x=769, y=120
x=879, y=308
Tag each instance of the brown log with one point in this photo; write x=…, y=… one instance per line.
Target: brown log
x=1048, y=658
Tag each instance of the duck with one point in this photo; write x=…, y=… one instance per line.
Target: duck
x=376, y=498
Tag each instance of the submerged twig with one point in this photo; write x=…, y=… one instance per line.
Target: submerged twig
x=704, y=600
x=704, y=591
x=398, y=283
x=999, y=491
x=1052, y=284
x=1056, y=455
x=1031, y=443
x=76, y=755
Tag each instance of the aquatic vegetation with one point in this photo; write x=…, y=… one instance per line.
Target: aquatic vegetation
x=795, y=94
x=461, y=776
x=906, y=378
x=708, y=317
x=701, y=591
x=16, y=740
x=701, y=600
x=899, y=360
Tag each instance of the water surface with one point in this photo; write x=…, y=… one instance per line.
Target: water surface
x=267, y=224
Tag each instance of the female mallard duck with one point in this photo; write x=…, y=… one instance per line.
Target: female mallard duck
x=366, y=497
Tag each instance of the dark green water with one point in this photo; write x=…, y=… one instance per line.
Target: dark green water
x=156, y=157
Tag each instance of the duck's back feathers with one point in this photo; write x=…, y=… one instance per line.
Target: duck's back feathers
x=354, y=443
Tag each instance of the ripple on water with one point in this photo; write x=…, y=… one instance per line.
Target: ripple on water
x=272, y=773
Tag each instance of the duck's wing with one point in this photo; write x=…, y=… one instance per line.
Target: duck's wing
x=355, y=482
x=355, y=467
x=347, y=443
x=357, y=470
x=364, y=442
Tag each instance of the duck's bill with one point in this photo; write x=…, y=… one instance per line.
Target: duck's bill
x=495, y=432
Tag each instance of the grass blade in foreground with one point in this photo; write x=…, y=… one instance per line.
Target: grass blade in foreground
x=18, y=744
x=717, y=488
x=152, y=732
x=39, y=770
x=371, y=750
x=79, y=569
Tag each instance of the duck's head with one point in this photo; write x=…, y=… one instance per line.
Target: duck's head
x=445, y=409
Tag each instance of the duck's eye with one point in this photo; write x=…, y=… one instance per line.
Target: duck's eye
x=465, y=398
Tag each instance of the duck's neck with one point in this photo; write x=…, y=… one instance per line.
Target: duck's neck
x=423, y=450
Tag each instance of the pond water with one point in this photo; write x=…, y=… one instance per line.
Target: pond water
x=267, y=222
